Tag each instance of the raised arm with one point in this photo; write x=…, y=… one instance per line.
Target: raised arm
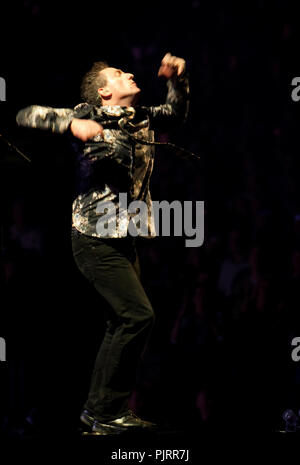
x=175, y=110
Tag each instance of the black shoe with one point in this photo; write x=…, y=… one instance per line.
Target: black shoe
x=87, y=418
x=126, y=423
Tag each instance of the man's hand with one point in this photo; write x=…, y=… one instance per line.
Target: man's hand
x=171, y=66
x=85, y=129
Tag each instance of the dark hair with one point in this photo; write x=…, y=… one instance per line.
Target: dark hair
x=91, y=82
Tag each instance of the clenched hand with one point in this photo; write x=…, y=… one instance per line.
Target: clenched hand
x=171, y=65
x=85, y=129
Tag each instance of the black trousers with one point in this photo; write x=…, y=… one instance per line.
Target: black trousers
x=111, y=266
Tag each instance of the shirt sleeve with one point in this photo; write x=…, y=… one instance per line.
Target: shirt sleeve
x=175, y=111
x=55, y=119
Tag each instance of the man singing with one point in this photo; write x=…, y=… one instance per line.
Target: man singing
x=117, y=159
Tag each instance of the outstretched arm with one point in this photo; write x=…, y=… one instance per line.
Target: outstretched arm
x=175, y=110
x=59, y=120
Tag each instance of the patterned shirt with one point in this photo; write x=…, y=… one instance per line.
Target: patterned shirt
x=115, y=170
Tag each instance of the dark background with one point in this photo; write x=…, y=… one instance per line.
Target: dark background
x=227, y=311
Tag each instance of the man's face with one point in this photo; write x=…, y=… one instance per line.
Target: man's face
x=120, y=87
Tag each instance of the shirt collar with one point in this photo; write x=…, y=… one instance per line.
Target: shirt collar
x=117, y=111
